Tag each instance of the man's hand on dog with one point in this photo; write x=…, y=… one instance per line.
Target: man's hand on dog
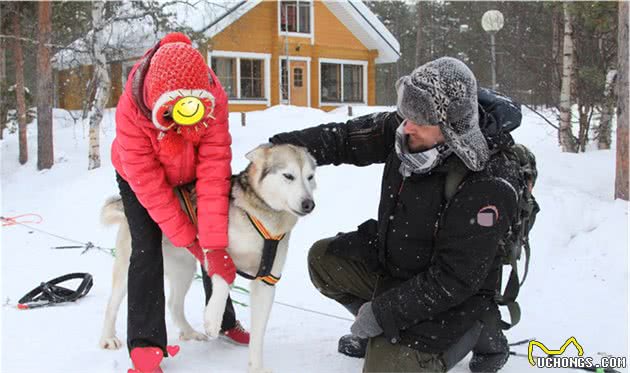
x=365, y=324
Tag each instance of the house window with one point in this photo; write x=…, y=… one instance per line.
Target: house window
x=331, y=82
x=342, y=82
x=244, y=76
x=352, y=83
x=225, y=69
x=295, y=16
x=297, y=77
x=252, y=81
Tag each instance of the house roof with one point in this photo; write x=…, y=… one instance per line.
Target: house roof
x=366, y=26
x=130, y=39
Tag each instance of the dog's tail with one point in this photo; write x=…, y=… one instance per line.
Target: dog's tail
x=112, y=211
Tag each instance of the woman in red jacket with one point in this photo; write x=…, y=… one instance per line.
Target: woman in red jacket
x=172, y=129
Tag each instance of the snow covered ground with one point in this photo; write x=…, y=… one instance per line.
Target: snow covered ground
x=577, y=286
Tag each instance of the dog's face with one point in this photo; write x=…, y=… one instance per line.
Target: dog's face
x=284, y=177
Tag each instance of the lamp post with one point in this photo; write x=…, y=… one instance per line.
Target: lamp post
x=492, y=22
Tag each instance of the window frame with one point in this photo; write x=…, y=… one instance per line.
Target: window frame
x=265, y=57
x=342, y=63
x=235, y=77
x=311, y=34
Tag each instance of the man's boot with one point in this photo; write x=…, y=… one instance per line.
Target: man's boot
x=492, y=350
x=351, y=345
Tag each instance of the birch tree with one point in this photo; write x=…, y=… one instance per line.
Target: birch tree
x=621, y=176
x=102, y=81
x=567, y=140
x=3, y=74
x=45, y=153
x=106, y=18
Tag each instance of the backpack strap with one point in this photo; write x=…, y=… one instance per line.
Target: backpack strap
x=453, y=181
x=508, y=298
x=454, y=177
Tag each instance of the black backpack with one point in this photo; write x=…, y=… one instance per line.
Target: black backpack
x=498, y=115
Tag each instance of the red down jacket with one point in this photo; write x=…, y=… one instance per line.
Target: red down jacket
x=152, y=176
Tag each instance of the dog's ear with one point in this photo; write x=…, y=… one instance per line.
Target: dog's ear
x=312, y=159
x=309, y=157
x=257, y=152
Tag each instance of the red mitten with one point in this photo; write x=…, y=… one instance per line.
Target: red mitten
x=197, y=252
x=215, y=262
x=218, y=262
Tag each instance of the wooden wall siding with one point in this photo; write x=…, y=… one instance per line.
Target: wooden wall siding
x=72, y=86
x=251, y=32
x=371, y=99
x=237, y=108
x=116, y=87
x=330, y=32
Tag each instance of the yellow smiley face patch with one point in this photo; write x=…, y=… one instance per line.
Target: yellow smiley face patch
x=188, y=111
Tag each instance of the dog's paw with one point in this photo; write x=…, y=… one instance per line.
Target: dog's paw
x=213, y=317
x=111, y=343
x=192, y=335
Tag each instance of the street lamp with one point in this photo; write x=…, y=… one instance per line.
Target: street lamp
x=492, y=22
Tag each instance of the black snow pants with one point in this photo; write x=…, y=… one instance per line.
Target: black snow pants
x=146, y=324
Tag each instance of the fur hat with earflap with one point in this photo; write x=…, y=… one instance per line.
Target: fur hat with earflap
x=443, y=93
x=177, y=91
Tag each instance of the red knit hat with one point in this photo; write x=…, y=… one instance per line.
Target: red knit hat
x=177, y=73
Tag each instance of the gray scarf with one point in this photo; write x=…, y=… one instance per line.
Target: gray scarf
x=420, y=162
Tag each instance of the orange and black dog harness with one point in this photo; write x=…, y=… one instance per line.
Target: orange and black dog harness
x=270, y=249
x=270, y=246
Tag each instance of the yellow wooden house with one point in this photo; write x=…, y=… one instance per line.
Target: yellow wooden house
x=319, y=54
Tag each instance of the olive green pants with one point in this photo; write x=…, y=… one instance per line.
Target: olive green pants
x=347, y=281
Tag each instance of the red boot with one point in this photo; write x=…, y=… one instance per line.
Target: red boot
x=146, y=360
x=236, y=335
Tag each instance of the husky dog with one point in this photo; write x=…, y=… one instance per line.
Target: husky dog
x=274, y=190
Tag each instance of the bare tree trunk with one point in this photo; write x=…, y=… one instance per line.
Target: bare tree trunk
x=622, y=167
x=567, y=141
x=556, y=47
x=45, y=154
x=103, y=84
x=3, y=76
x=585, y=123
x=19, y=86
x=418, y=33
x=604, y=138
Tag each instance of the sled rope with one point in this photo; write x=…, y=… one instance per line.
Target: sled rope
x=315, y=312
x=243, y=291
x=80, y=245
x=13, y=220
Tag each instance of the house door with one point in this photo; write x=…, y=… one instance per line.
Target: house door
x=299, y=83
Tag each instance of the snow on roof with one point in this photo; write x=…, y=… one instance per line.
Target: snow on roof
x=130, y=39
